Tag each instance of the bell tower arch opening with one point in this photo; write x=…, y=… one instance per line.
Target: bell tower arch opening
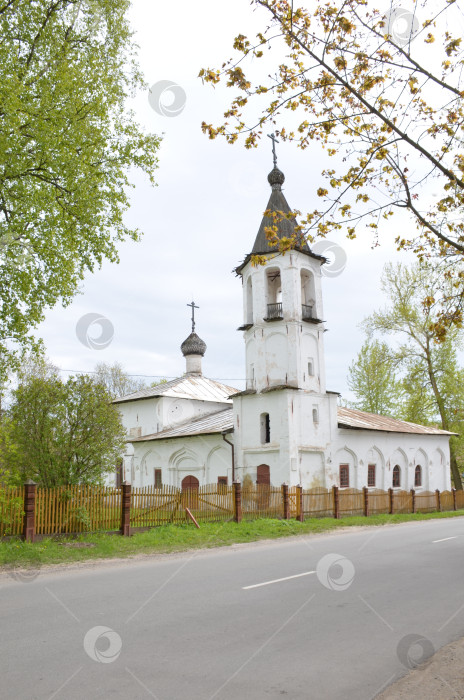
x=308, y=294
x=273, y=294
x=249, y=301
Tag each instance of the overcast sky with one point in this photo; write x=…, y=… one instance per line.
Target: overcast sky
x=202, y=219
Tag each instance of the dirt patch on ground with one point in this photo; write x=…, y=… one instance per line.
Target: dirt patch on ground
x=440, y=678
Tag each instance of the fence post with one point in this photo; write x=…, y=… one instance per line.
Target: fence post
x=299, y=504
x=286, y=502
x=413, y=496
x=30, y=491
x=366, y=501
x=438, y=500
x=454, y=498
x=238, y=501
x=336, y=502
x=125, y=508
x=390, y=493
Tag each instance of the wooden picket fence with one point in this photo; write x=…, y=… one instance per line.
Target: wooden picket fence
x=151, y=506
x=74, y=509
x=262, y=501
x=77, y=509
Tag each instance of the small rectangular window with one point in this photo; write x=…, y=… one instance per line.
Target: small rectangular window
x=265, y=428
x=222, y=481
x=315, y=414
x=158, y=479
x=310, y=368
x=344, y=476
x=371, y=475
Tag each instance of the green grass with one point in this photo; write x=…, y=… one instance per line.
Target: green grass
x=177, y=538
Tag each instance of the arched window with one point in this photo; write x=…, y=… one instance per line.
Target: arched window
x=396, y=482
x=418, y=476
x=265, y=428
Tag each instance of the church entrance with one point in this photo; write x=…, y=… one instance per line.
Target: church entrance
x=263, y=475
x=190, y=485
x=263, y=481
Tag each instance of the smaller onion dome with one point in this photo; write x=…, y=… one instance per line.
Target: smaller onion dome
x=276, y=178
x=193, y=345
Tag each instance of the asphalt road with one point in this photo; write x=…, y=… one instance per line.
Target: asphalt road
x=199, y=626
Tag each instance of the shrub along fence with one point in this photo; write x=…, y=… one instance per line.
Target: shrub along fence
x=33, y=512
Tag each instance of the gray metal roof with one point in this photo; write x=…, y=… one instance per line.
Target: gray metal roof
x=187, y=387
x=352, y=418
x=214, y=423
x=223, y=420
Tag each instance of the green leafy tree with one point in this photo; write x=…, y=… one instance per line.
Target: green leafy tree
x=116, y=380
x=372, y=378
x=67, y=144
x=64, y=432
x=381, y=91
x=432, y=376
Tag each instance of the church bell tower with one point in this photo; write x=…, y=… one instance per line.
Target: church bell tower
x=285, y=412
x=282, y=301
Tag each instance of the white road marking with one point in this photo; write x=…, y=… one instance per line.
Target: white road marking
x=444, y=539
x=277, y=580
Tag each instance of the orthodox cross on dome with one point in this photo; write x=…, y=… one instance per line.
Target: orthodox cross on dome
x=274, y=141
x=192, y=305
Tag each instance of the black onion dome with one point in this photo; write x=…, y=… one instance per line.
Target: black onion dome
x=276, y=178
x=193, y=345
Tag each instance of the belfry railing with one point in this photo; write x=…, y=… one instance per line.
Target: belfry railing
x=274, y=310
x=307, y=311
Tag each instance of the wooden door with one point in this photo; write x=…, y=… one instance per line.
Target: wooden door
x=263, y=475
x=190, y=486
x=263, y=481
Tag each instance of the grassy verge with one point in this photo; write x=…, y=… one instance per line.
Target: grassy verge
x=178, y=538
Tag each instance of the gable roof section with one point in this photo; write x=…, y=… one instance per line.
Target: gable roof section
x=214, y=423
x=187, y=387
x=360, y=420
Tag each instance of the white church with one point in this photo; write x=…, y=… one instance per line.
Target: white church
x=285, y=427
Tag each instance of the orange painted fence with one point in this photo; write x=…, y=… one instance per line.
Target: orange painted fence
x=77, y=509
